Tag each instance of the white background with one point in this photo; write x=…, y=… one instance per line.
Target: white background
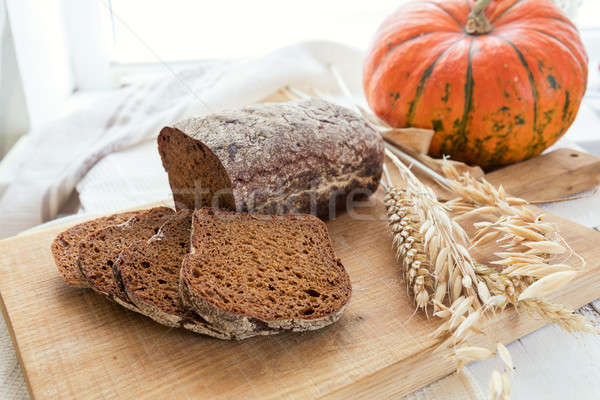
x=178, y=30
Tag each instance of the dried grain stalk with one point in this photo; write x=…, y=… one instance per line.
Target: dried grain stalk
x=558, y=314
x=442, y=275
x=430, y=246
x=534, y=259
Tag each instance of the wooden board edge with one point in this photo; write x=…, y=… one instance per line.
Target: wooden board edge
x=382, y=383
x=13, y=339
x=578, y=171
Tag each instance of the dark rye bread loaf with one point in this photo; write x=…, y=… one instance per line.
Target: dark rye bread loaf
x=260, y=274
x=65, y=247
x=148, y=271
x=305, y=156
x=100, y=250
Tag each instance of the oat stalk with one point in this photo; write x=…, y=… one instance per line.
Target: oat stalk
x=558, y=314
x=533, y=258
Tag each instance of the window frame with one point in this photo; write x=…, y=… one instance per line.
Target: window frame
x=69, y=55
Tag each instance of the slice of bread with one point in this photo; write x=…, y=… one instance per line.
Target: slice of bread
x=260, y=274
x=148, y=271
x=100, y=250
x=65, y=247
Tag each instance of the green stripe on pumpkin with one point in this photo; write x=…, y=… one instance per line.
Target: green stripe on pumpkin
x=395, y=46
x=529, y=76
x=460, y=139
x=538, y=141
x=412, y=105
x=563, y=44
x=566, y=106
x=505, y=11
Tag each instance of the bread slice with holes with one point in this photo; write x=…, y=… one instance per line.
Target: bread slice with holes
x=99, y=251
x=148, y=272
x=65, y=247
x=253, y=275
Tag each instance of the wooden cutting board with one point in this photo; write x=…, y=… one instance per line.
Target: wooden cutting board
x=73, y=343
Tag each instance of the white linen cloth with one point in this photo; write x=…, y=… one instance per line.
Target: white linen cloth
x=106, y=151
x=43, y=171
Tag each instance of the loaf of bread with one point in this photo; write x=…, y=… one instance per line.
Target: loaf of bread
x=305, y=156
x=253, y=275
x=65, y=247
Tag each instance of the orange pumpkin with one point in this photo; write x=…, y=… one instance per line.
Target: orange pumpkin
x=499, y=80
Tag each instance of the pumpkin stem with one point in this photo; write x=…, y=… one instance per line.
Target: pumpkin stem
x=477, y=23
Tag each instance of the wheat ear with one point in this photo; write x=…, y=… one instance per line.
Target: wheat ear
x=431, y=247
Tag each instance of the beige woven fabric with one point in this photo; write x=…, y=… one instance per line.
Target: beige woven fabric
x=12, y=384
